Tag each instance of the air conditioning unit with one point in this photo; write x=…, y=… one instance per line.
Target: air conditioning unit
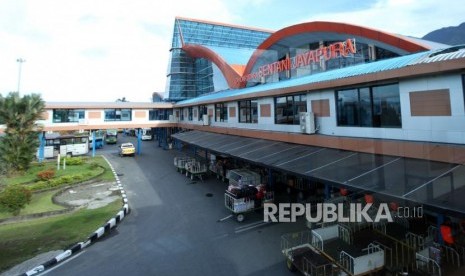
x=205, y=119
x=307, y=122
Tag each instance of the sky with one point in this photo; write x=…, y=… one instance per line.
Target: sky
x=101, y=51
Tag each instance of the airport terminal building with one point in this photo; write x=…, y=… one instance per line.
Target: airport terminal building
x=346, y=107
x=387, y=102
x=335, y=86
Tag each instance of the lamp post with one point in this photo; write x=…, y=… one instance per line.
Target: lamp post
x=20, y=61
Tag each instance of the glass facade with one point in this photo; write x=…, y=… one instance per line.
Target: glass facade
x=160, y=114
x=68, y=115
x=190, y=113
x=221, y=112
x=190, y=77
x=118, y=114
x=375, y=106
x=287, y=109
x=203, y=110
x=248, y=111
x=363, y=53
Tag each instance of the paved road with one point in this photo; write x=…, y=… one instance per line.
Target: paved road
x=173, y=227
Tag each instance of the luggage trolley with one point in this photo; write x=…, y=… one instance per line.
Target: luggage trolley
x=180, y=162
x=245, y=193
x=239, y=206
x=195, y=169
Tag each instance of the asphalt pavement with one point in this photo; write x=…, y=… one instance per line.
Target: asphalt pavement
x=177, y=226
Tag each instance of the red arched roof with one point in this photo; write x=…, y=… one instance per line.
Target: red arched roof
x=198, y=51
x=333, y=27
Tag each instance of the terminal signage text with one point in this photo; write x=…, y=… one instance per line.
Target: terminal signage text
x=335, y=50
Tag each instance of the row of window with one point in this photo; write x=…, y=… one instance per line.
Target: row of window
x=115, y=114
x=371, y=106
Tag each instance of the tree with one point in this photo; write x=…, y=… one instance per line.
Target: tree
x=14, y=198
x=20, y=115
x=121, y=100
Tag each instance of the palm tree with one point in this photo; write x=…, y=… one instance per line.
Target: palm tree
x=20, y=115
x=122, y=100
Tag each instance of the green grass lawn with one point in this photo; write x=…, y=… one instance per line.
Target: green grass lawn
x=23, y=240
x=40, y=202
x=31, y=174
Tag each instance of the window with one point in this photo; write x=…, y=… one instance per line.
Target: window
x=203, y=110
x=118, y=114
x=248, y=111
x=190, y=113
x=221, y=112
x=376, y=106
x=160, y=114
x=287, y=109
x=67, y=115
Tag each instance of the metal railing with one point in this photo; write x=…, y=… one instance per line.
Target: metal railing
x=345, y=233
x=317, y=241
x=427, y=265
x=347, y=262
x=415, y=241
x=388, y=254
x=451, y=255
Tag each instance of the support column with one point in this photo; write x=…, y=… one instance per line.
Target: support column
x=270, y=179
x=327, y=191
x=139, y=140
x=41, y=146
x=440, y=220
x=93, y=143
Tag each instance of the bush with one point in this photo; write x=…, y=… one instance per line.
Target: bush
x=73, y=161
x=78, y=177
x=93, y=165
x=46, y=175
x=14, y=198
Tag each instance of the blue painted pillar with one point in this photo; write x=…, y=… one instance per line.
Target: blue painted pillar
x=139, y=139
x=270, y=179
x=165, y=138
x=327, y=191
x=41, y=146
x=440, y=220
x=93, y=143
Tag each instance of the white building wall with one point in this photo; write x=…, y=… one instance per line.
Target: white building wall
x=447, y=129
x=443, y=129
x=325, y=125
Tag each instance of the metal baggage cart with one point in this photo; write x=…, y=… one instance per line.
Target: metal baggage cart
x=180, y=162
x=302, y=256
x=243, y=177
x=239, y=206
x=195, y=169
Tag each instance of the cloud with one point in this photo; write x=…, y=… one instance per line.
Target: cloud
x=91, y=50
x=96, y=50
x=407, y=17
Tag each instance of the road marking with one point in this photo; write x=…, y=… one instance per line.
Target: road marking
x=62, y=263
x=250, y=226
x=220, y=237
x=225, y=218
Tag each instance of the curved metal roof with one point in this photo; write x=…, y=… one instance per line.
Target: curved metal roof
x=347, y=72
x=329, y=31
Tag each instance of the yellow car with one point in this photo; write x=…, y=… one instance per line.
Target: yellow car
x=127, y=149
